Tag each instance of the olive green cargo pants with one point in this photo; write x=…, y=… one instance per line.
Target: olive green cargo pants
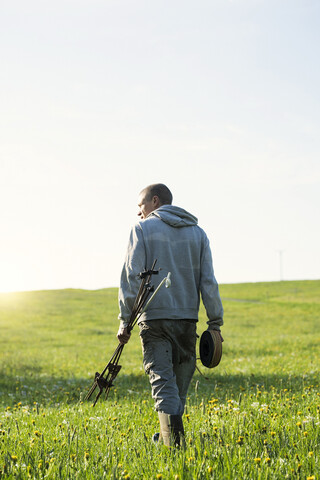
x=169, y=358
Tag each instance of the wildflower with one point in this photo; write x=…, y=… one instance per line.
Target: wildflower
x=257, y=460
x=176, y=477
x=190, y=459
x=299, y=424
x=310, y=454
x=267, y=460
x=159, y=476
x=311, y=478
x=210, y=469
x=86, y=455
x=240, y=440
x=37, y=433
x=305, y=434
x=14, y=458
x=272, y=434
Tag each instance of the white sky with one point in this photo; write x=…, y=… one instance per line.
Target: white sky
x=218, y=99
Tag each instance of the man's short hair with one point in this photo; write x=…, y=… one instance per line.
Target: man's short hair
x=161, y=191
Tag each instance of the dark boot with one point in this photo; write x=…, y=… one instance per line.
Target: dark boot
x=171, y=429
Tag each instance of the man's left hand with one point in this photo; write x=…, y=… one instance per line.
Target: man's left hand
x=123, y=335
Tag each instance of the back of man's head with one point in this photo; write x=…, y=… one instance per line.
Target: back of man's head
x=161, y=191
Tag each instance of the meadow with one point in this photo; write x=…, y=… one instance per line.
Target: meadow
x=255, y=416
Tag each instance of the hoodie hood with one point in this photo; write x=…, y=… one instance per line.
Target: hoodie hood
x=175, y=216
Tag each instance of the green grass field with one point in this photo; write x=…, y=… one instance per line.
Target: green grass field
x=256, y=416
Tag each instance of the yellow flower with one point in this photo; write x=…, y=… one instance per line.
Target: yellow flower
x=210, y=470
x=310, y=454
x=311, y=478
x=299, y=424
x=86, y=455
x=267, y=460
x=14, y=458
x=305, y=434
x=159, y=476
x=257, y=460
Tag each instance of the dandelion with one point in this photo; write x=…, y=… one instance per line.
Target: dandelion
x=310, y=454
x=210, y=470
x=240, y=440
x=257, y=460
x=159, y=476
x=86, y=455
x=273, y=434
x=14, y=458
x=311, y=478
x=305, y=434
x=267, y=460
x=299, y=424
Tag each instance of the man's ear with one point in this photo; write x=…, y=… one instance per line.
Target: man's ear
x=156, y=201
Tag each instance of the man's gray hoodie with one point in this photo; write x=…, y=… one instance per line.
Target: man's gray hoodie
x=172, y=236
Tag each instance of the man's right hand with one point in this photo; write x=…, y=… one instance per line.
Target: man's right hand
x=123, y=336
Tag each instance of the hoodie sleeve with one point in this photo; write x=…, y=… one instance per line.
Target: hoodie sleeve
x=130, y=281
x=209, y=289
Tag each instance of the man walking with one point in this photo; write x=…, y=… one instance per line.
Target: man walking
x=168, y=327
